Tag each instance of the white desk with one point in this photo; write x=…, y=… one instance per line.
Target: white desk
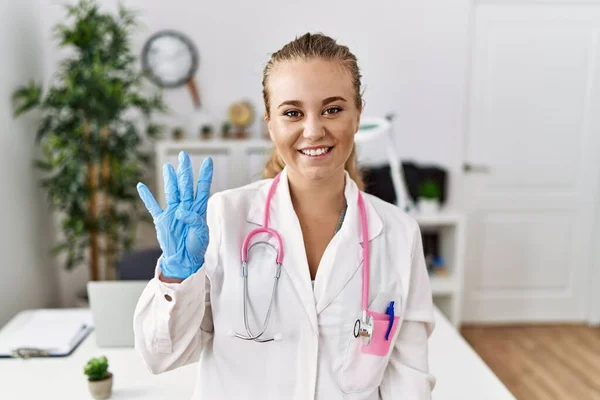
x=461, y=375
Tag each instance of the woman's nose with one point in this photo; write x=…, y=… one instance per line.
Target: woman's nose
x=313, y=129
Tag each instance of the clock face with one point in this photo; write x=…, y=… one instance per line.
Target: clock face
x=169, y=59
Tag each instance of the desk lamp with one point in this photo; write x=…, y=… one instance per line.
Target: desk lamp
x=378, y=131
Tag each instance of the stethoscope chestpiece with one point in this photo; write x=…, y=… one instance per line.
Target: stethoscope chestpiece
x=363, y=328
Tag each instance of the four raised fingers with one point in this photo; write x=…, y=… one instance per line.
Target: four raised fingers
x=180, y=187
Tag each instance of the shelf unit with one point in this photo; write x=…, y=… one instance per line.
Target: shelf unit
x=240, y=161
x=447, y=289
x=236, y=161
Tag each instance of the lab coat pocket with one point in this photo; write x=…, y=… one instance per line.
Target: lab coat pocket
x=364, y=365
x=381, y=339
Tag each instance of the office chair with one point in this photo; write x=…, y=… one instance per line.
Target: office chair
x=138, y=264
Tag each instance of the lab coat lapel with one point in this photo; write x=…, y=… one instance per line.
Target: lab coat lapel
x=344, y=258
x=284, y=220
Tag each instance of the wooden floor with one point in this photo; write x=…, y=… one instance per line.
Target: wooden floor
x=559, y=362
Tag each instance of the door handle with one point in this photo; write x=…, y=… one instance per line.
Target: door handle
x=476, y=168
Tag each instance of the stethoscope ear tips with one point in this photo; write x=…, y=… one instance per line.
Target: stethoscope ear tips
x=277, y=337
x=230, y=333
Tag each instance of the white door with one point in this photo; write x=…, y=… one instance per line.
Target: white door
x=532, y=161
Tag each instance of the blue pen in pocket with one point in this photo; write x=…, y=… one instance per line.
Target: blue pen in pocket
x=390, y=312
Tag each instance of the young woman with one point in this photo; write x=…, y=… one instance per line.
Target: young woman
x=300, y=285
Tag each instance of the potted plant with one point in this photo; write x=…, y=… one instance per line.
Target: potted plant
x=91, y=117
x=429, y=197
x=100, y=380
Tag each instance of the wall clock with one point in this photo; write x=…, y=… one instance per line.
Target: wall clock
x=170, y=60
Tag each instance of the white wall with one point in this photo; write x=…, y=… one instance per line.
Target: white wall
x=28, y=278
x=413, y=56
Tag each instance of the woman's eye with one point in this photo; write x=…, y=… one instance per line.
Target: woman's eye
x=292, y=114
x=333, y=110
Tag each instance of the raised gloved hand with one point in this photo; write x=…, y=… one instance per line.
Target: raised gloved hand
x=181, y=228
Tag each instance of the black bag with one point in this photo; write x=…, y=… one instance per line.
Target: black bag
x=378, y=180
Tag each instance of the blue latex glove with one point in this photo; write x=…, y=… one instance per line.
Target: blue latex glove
x=181, y=228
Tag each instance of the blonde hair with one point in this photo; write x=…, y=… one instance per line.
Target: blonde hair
x=307, y=47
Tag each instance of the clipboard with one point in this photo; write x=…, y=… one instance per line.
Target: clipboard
x=45, y=333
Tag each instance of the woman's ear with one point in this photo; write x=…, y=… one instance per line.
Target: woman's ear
x=358, y=114
x=268, y=121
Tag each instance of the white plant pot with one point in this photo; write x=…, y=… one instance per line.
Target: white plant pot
x=428, y=206
x=101, y=390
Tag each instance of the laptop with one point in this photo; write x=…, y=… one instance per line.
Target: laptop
x=112, y=304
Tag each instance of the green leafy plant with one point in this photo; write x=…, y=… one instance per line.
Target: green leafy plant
x=96, y=369
x=430, y=190
x=90, y=133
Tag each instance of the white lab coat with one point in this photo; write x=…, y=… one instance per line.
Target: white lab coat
x=317, y=356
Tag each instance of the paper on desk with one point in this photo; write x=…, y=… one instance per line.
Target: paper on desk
x=54, y=330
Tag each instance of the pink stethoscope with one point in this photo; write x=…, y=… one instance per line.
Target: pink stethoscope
x=363, y=327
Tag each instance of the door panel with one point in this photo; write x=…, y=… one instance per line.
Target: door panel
x=532, y=123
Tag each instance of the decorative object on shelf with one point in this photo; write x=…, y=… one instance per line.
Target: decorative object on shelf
x=197, y=123
x=241, y=116
x=178, y=133
x=429, y=197
x=170, y=60
x=90, y=138
x=100, y=380
x=226, y=130
x=435, y=265
x=416, y=174
x=206, y=132
x=431, y=250
x=439, y=268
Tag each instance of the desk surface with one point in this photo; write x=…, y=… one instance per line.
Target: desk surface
x=460, y=373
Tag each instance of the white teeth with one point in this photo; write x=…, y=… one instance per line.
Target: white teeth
x=315, y=152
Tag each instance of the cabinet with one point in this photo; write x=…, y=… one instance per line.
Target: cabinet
x=236, y=162
x=239, y=162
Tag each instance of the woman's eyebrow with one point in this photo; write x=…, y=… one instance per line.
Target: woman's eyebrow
x=332, y=99
x=298, y=103
x=295, y=103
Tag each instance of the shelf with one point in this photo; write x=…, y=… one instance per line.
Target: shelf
x=443, y=218
x=443, y=285
x=170, y=144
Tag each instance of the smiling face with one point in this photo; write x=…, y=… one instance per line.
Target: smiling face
x=312, y=117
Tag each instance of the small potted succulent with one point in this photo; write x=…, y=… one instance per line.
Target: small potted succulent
x=99, y=378
x=429, y=197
